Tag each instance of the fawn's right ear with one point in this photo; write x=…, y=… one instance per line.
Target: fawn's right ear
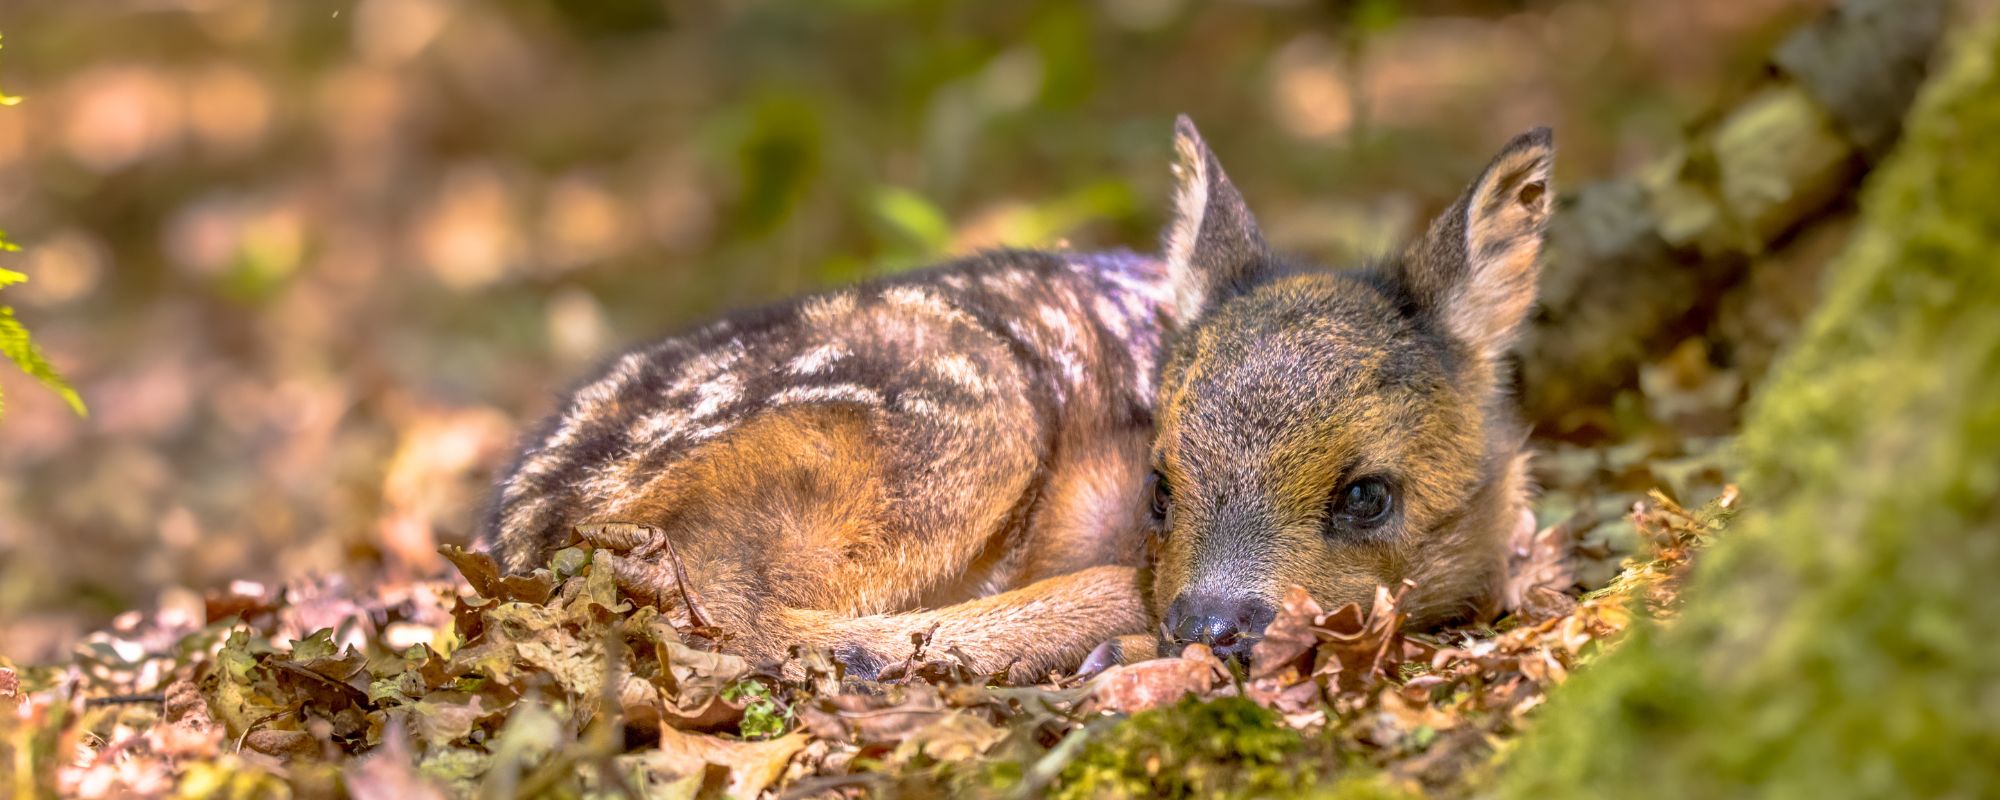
x=1214, y=249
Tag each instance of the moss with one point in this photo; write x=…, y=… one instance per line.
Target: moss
x=1229, y=747
x=1844, y=641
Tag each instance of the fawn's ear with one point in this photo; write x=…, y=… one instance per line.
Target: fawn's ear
x=1475, y=268
x=1213, y=247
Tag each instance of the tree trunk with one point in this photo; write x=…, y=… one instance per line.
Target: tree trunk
x=1843, y=639
x=1637, y=264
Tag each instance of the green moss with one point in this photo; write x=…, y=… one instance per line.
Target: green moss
x=1229, y=747
x=1845, y=640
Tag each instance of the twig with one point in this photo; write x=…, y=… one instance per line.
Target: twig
x=695, y=616
x=122, y=699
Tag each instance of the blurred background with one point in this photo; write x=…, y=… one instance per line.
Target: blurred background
x=313, y=264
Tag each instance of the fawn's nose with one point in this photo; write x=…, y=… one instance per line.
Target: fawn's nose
x=1229, y=625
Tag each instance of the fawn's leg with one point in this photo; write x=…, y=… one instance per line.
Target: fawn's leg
x=1047, y=626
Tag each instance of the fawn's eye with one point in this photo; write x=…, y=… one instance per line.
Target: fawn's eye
x=1162, y=498
x=1364, y=503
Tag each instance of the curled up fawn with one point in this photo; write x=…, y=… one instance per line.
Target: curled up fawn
x=1026, y=454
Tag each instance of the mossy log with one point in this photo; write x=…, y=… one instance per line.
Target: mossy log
x=1844, y=641
x=1636, y=263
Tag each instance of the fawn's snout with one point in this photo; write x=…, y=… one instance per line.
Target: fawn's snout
x=1229, y=625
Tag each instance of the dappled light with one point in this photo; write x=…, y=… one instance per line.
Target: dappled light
x=290, y=284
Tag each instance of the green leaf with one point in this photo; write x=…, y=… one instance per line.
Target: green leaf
x=15, y=344
x=914, y=218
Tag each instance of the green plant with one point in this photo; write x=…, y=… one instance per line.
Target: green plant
x=14, y=341
x=763, y=717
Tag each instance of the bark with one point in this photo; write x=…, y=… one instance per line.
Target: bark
x=1844, y=639
x=1636, y=264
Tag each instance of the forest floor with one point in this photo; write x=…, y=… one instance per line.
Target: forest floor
x=553, y=684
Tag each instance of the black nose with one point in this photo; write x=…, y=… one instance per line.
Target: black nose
x=1230, y=625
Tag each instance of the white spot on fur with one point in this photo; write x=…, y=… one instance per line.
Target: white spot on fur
x=707, y=432
x=521, y=517
x=1060, y=324
x=590, y=400
x=1066, y=349
x=609, y=481
x=1112, y=316
x=711, y=397
x=662, y=424
x=1007, y=283
x=818, y=359
x=699, y=371
x=917, y=403
x=840, y=392
x=961, y=372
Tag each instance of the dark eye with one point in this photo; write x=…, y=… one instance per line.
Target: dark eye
x=1162, y=498
x=1364, y=503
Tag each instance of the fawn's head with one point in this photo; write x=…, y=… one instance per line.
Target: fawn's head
x=1340, y=430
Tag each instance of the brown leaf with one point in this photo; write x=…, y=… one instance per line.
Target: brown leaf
x=1355, y=649
x=1539, y=572
x=441, y=718
x=750, y=766
x=389, y=773
x=483, y=573
x=956, y=736
x=1289, y=637
x=874, y=719
x=189, y=730
x=692, y=681
x=1299, y=702
x=1151, y=684
x=282, y=744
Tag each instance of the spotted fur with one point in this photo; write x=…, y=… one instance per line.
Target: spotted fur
x=962, y=449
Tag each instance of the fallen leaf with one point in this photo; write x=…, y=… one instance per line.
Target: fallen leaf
x=750, y=766
x=281, y=744
x=954, y=737
x=388, y=772
x=1150, y=684
x=483, y=574
x=1355, y=648
x=1289, y=637
x=886, y=718
x=1539, y=571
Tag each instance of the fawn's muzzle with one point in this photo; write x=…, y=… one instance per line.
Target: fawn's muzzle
x=1229, y=625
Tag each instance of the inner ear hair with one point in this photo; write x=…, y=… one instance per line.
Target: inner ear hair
x=1213, y=246
x=1476, y=267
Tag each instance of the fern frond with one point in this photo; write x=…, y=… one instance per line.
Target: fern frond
x=18, y=348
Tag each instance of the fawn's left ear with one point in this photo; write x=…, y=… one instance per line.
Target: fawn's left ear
x=1475, y=268
x=1214, y=250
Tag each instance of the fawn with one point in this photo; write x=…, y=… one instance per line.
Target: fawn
x=966, y=452
x=1340, y=430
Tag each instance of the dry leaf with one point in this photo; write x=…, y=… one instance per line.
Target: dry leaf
x=749, y=766
x=1150, y=684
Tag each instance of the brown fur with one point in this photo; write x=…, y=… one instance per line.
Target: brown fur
x=960, y=450
x=964, y=452
x=1291, y=384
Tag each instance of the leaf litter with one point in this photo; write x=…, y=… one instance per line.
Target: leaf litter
x=553, y=684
